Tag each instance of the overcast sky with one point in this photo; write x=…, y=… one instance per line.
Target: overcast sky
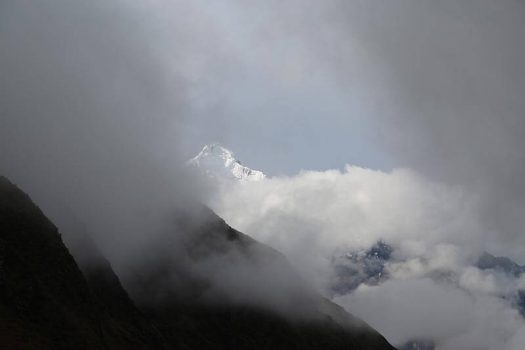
x=436, y=87
x=291, y=85
x=313, y=85
x=271, y=92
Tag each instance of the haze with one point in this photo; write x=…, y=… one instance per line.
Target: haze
x=400, y=121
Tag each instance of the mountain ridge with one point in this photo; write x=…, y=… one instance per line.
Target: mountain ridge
x=48, y=302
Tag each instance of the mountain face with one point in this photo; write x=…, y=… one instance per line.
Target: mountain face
x=46, y=301
x=419, y=345
x=509, y=267
x=189, y=290
x=352, y=269
x=219, y=163
x=488, y=261
x=236, y=283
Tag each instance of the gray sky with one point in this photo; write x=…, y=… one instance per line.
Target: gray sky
x=307, y=85
x=433, y=86
x=291, y=85
x=263, y=89
x=288, y=85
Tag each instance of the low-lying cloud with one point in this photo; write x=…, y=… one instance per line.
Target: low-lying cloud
x=90, y=117
x=431, y=287
x=352, y=209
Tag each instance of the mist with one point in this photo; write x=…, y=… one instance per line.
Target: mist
x=101, y=104
x=90, y=115
x=96, y=99
x=439, y=86
x=431, y=286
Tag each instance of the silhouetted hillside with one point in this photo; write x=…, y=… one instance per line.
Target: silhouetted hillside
x=45, y=301
x=243, y=294
x=48, y=302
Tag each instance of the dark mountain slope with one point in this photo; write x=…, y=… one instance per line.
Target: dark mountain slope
x=243, y=295
x=490, y=262
x=111, y=298
x=187, y=286
x=45, y=301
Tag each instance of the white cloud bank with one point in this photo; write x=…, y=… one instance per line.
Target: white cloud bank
x=433, y=290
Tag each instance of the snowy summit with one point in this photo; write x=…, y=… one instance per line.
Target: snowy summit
x=217, y=161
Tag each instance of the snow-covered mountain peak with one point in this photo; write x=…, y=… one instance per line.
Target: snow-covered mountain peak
x=214, y=150
x=216, y=161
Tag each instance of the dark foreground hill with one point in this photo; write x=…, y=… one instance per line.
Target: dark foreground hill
x=48, y=302
x=45, y=300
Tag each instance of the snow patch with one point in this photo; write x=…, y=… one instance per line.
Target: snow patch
x=218, y=162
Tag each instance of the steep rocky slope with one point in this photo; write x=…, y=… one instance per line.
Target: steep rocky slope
x=45, y=301
x=187, y=293
x=272, y=308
